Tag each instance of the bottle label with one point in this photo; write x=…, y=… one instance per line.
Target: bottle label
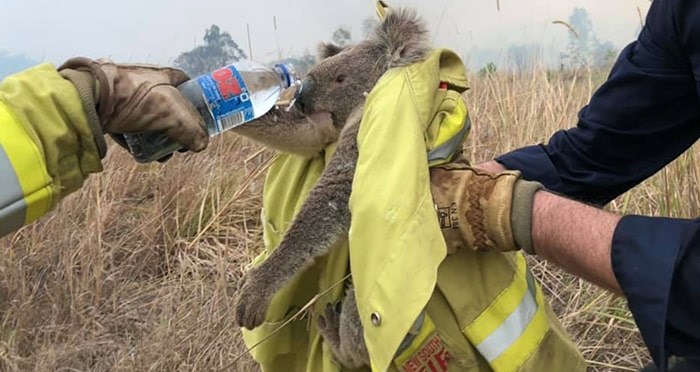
x=227, y=97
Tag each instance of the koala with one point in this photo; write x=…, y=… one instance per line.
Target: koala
x=328, y=109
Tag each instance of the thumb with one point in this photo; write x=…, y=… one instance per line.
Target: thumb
x=175, y=76
x=183, y=123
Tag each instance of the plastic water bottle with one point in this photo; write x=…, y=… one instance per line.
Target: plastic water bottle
x=225, y=98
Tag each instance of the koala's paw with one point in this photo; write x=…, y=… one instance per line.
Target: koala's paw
x=252, y=301
x=329, y=326
x=344, y=338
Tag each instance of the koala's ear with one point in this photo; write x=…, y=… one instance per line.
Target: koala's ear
x=404, y=36
x=326, y=50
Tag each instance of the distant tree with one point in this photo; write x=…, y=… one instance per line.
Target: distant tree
x=12, y=63
x=582, y=40
x=341, y=37
x=219, y=50
x=368, y=26
x=584, y=50
x=302, y=63
x=488, y=70
x=605, y=55
x=520, y=57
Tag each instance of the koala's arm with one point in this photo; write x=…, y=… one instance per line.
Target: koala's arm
x=323, y=219
x=289, y=132
x=344, y=333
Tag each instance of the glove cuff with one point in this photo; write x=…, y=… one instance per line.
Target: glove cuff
x=87, y=89
x=493, y=193
x=521, y=213
x=103, y=89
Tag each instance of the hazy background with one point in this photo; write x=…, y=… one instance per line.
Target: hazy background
x=157, y=31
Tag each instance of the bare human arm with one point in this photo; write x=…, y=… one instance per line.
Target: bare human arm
x=576, y=237
x=572, y=235
x=655, y=260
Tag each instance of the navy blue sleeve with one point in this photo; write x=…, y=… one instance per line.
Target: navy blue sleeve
x=645, y=115
x=657, y=263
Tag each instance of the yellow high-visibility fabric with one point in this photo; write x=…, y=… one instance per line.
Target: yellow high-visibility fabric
x=25, y=184
x=396, y=244
x=396, y=250
x=45, y=135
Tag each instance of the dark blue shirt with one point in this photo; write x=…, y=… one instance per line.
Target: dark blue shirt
x=646, y=114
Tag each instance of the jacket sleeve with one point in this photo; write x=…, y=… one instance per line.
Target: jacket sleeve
x=47, y=148
x=644, y=116
x=656, y=260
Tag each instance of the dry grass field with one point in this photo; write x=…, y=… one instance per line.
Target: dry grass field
x=137, y=271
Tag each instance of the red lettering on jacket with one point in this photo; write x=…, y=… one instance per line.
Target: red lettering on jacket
x=431, y=357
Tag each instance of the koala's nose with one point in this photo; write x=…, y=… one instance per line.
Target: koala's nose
x=303, y=102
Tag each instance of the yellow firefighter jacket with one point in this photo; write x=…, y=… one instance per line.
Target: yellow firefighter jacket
x=46, y=146
x=421, y=310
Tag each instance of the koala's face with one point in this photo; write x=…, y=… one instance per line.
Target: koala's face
x=336, y=86
x=339, y=82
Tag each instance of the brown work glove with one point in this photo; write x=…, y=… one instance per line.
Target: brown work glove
x=128, y=98
x=483, y=211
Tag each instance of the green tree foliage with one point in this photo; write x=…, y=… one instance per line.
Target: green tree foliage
x=219, y=50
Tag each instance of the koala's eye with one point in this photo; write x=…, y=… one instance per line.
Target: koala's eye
x=340, y=78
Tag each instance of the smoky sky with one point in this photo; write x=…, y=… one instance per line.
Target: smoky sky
x=156, y=31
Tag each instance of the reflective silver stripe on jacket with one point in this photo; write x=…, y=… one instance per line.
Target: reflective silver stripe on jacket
x=13, y=207
x=447, y=149
x=513, y=327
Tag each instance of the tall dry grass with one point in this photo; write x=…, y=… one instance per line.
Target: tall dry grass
x=136, y=272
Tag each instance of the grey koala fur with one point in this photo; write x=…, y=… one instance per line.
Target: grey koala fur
x=290, y=132
x=332, y=99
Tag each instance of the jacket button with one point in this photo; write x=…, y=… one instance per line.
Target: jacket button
x=376, y=319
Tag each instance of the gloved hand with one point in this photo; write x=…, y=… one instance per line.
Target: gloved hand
x=127, y=98
x=483, y=211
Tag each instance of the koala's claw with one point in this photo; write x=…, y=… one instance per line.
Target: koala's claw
x=329, y=325
x=350, y=350
x=251, y=304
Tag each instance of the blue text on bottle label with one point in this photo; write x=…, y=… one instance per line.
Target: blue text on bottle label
x=227, y=97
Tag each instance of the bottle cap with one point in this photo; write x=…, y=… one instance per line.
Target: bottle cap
x=288, y=73
x=291, y=83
